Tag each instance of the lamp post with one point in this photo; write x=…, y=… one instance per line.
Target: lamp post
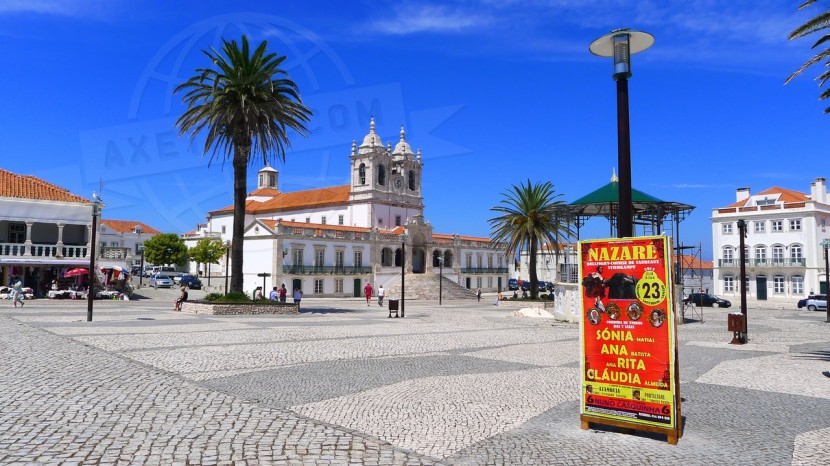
x=742, y=258
x=227, y=256
x=826, y=245
x=90, y=294
x=403, y=272
x=621, y=44
x=441, y=279
x=141, y=270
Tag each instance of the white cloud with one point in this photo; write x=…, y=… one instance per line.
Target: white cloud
x=75, y=8
x=411, y=19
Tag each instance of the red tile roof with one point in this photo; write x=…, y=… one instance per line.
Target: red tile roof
x=320, y=197
x=691, y=262
x=30, y=187
x=440, y=236
x=321, y=226
x=127, y=226
x=784, y=195
x=264, y=192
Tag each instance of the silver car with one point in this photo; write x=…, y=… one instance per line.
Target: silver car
x=816, y=304
x=160, y=280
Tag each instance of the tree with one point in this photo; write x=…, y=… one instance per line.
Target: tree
x=817, y=24
x=246, y=106
x=531, y=216
x=166, y=248
x=207, y=251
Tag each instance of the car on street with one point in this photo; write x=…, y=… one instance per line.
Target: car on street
x=512, y=284
x=803, y=302
x=706, y=299
x=816, y=304
x=160, y=280
x=191, y=281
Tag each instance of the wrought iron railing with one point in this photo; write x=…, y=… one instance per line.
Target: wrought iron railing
x=325, y=269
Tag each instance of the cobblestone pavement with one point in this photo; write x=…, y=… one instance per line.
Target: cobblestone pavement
x=341, y=384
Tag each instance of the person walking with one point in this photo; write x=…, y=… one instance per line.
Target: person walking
x=367, y=290
x=478, y=295
x=381, y=294
x=298, y=295
x=282, y=292
x=17, y=293
x=498, y=298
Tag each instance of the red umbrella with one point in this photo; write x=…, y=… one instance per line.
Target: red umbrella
x=76, y=272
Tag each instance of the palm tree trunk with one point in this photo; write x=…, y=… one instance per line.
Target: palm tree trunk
x=534, y=279
x=240, y=193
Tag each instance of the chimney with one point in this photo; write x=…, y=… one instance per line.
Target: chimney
x=818, y=190
x=741, y=194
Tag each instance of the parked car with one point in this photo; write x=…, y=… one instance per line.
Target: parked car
x=706, y=299
x=512, y=284
x=543, y=286
x=191, y=281
x=803, y=302
x=135, y=270
x=816, y=304
x=160, y=280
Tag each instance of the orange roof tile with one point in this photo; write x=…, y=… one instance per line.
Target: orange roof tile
x=30, y=187
x=127, y=226
x=784, y=195
x=264, y=192
x=461, y=237
x=319, y=197
x=691, y=262
x=323, y=226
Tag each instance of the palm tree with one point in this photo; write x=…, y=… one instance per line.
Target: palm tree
x=531, y=216
x=819, y=23
x=246, y=105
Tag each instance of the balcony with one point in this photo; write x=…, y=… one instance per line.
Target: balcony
x=19, y=250
x=789, y=262
x=114, y=253
x=484, y=270
x=326, y=269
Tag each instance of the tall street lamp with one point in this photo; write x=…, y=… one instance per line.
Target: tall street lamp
x=227, y=256
x=742, y=257
x=826, y=245
x=621, y=44
x=403, y=272
x=440, y=279
x=141, y=269
x=90, y=294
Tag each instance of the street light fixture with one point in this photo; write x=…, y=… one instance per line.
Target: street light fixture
x=440, y=279
x=826, y=245
x=621, y=44
x=227, y=256
x=403, y=272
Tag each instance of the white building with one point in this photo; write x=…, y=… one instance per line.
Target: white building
x=332, y=241
x=121, y=241
x=784, y=231
x=44, y=229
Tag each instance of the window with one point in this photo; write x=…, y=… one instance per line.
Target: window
x=318, y=286
x=478, y=282
x=766, y=201
x=308, y=219
x=777, y=225
x=339, y=219
x=381, y=175
x=338, y=285
x=727, y=254
x=760, y=254
x=339, y=234
x=726, y=228
x=411, y=180
x=795, y=255
x=397, y=220
x=778, y=284
x=323, y=220
x=139, y=247
x=223, y=229
x=338, y=258
x=798, y=284
x=297, y=255
x=760, y=227
x=778, y=254
x=114, y=244
x=380, y=221
x=298, y=231
x=361, y=173
x=469, y=261
x=795, y=224
x=319, y=257
x=137, y=229
x=358, y=258
x=729, y=283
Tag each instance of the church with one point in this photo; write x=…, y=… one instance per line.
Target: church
x=332, y=241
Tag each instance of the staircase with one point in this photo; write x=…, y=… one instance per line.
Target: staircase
x=425, y=286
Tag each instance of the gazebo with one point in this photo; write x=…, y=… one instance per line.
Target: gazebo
x=649, y=212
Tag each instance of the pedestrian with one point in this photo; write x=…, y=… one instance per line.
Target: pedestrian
x=282, y=292
x=273, y=294
x=478, y=295
x=367, y=290
x=381, y=294
x=17, y=293
x=258, y=293
x=298, y=295
x=498, y=298
x=182, y=298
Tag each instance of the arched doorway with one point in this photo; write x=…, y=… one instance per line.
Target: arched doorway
x=418, y=260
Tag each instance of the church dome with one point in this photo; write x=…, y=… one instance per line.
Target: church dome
x=372, y=139
x=402, y=147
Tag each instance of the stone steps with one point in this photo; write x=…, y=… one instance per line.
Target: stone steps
x=426, y=287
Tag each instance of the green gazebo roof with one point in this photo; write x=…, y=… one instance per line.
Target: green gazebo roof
x=603, y=203
x=610, y=194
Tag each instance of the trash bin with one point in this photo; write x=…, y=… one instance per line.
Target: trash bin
x=393, y=306
x=736, y=324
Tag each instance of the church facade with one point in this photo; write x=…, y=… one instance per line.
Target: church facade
x=332, y=241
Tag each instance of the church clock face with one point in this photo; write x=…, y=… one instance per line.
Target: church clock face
x=398, y=183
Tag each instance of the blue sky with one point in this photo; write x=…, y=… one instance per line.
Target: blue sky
x=493, y=92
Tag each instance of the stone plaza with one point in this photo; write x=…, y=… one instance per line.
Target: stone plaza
x=343, y=384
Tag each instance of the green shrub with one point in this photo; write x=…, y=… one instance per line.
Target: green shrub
x=228, y=298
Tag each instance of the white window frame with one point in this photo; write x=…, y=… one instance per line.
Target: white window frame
x=778, y=284
x=338, y=285
x=726, y=228
x=797, y=282
x=795, y=224
x=777, y=225
x=760, y=226
x=729, y=283
x=318, y=286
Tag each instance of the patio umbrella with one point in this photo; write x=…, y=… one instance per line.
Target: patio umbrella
x=76, y=272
